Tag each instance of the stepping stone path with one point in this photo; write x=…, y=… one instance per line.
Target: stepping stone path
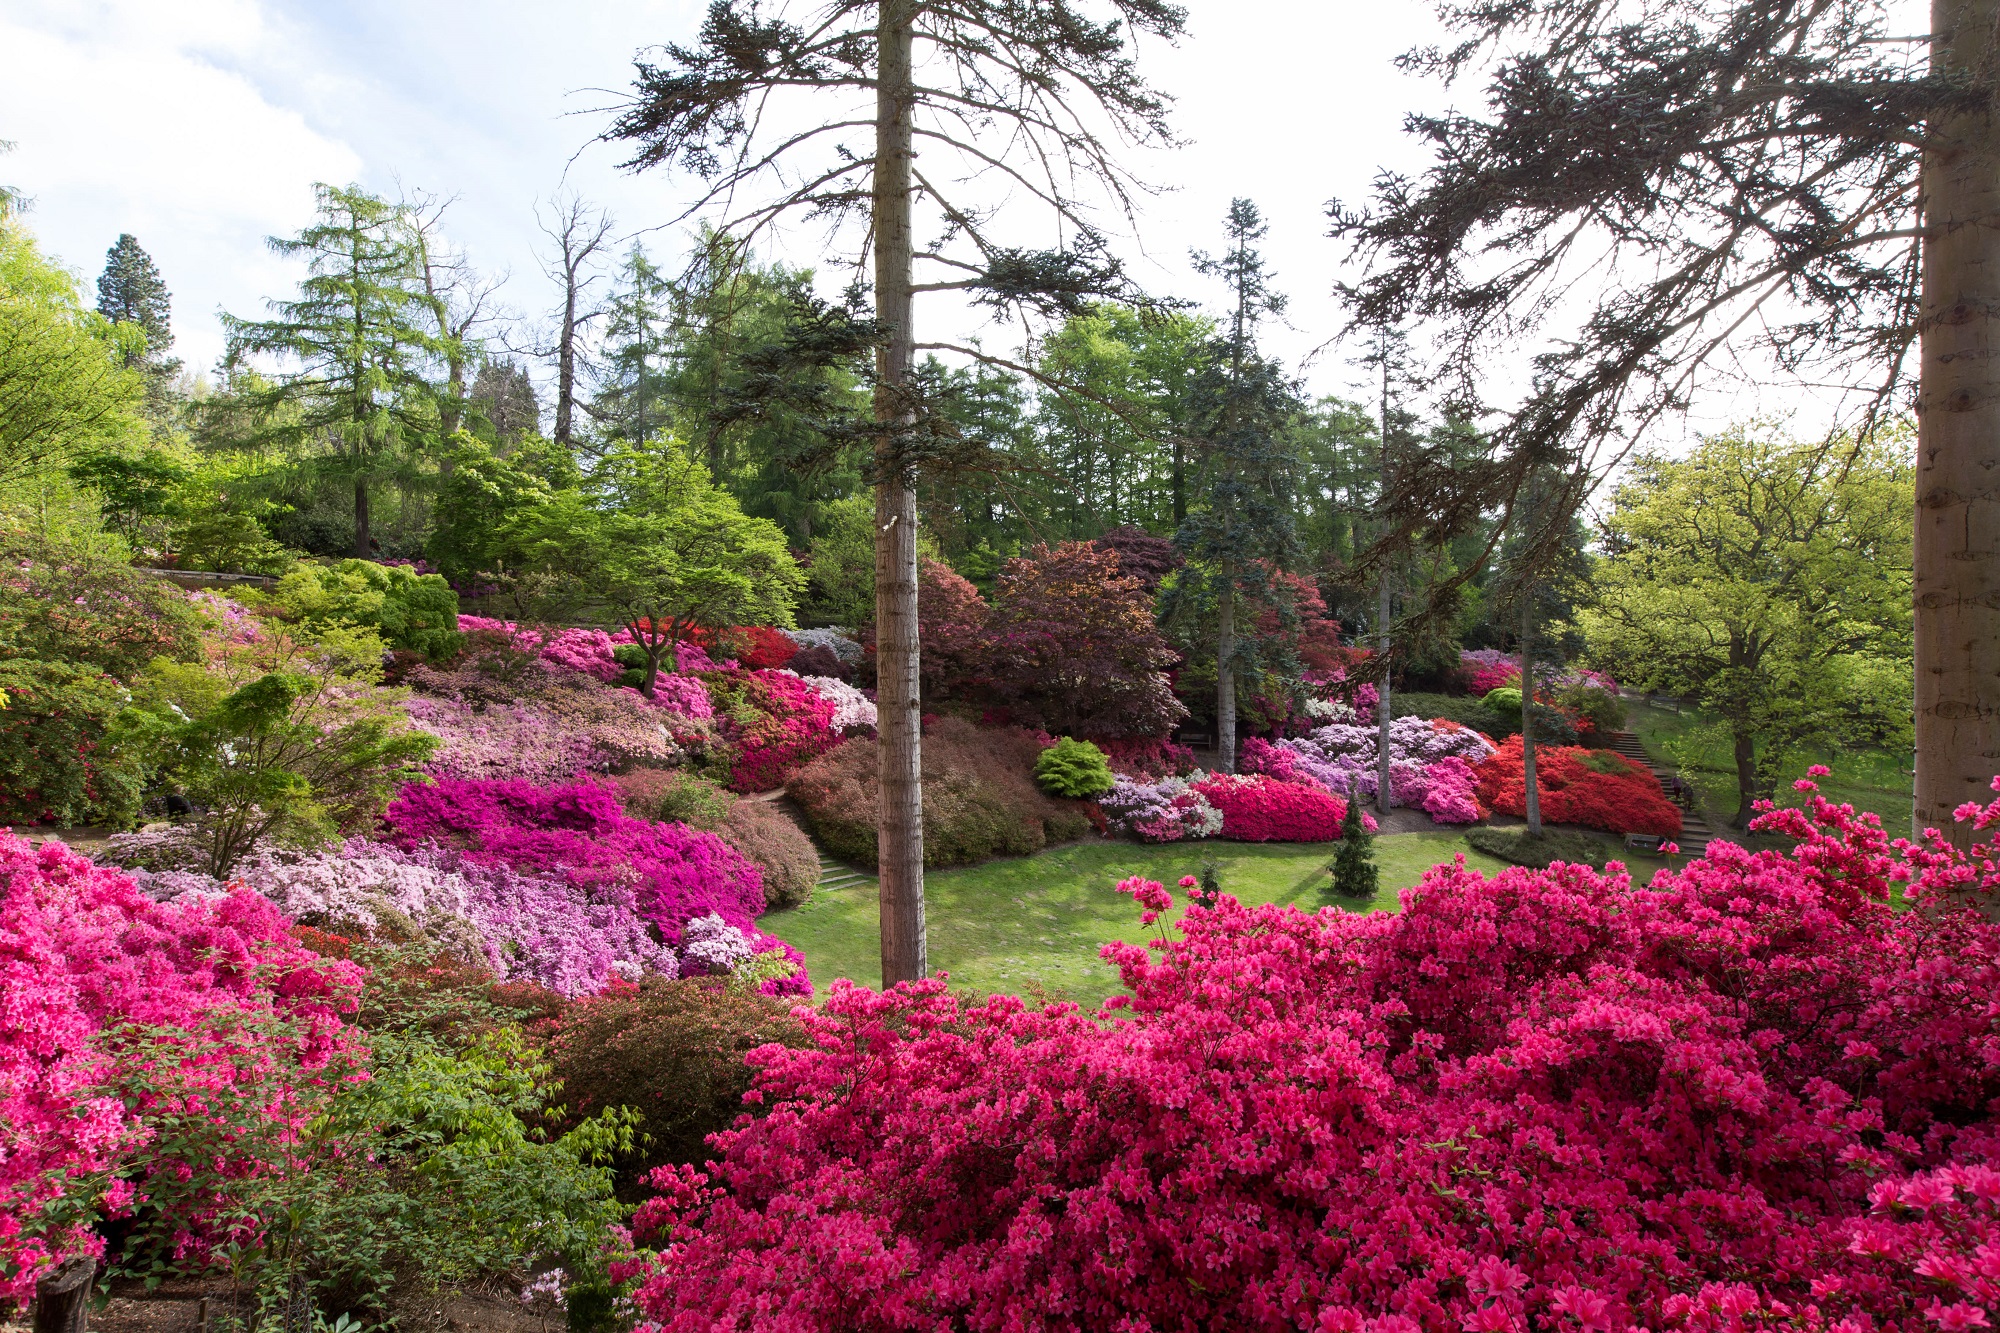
x=1695, y=832
x=839, y=875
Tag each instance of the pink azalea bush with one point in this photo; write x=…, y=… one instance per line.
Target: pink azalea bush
x=1166, y=810
x=1432, y=764
x=853, y=711
x=777, y=722
x=580, y=833
x=1256, y=808
x=225, y=1005
x=581, y=651
x=1750, y=1096
x=542, y=726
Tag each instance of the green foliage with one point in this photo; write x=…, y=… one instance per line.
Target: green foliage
x=673, y=1052
x=280, y=738
x=674, y=795
x=840, y=565
x=1506, y=699
x=1466, y=712
x=484, y=491
x=1075, y=769
x=1769, y=582
x=1355, y=874
x=58, y=763
x=1605, y=710
x=416, y=612
x=1517, y=847
x=65, y=602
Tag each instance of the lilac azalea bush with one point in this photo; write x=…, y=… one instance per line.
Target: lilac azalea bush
x=1432, y=764
x=853, y=711
x=1168, y=810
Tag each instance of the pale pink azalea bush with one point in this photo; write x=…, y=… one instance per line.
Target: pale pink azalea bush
x=226, y=1004
x=1749, y=1096
x=853, y=711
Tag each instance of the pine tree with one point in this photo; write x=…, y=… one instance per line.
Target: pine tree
x=1355, y=874
x=1010, y=92
x=353, y=349
x=1243, y=529
x=630, y=404
x=131, y=291
x=505, y=397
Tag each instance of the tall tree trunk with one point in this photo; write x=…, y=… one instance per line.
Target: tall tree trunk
x=362, y=534
x=1746, y=779
x=1180, y=482
x=565, y=425
x=900, y=834
x=1385, y=796
x=1958, y=439
x=1225, y=672
x=1532, y=790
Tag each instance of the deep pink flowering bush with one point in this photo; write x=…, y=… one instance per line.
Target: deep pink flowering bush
x=541, y=724
x=213, y=990
x=580, y=832
x=1256, y=808
x=1431, y=763
x=776, y=721
x=1750, y=1096
x=580, y=651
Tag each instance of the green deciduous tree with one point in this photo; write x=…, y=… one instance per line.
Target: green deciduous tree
x=1770, y=581
x=354, y=348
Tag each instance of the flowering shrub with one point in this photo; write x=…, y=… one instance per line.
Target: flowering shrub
x=1143, y=757
x=581, y=831
x=1594, y=788
x=543, y=727
x=580, y=651
x=779, y=847
x=843, y=648
x=1430, y=763
x=853, y=711
x=1750, y=1096
x=214, y=991
x=1256, y=808
x=1168, y=810
x=759, y=647
x=776, y=721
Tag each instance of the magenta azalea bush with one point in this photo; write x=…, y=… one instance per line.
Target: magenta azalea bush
x=1751, y=1095
x=580, y=833
x=777, y=722
x=1257, y=808
x=229, y=1004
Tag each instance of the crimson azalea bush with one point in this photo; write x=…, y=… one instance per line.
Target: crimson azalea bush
x=1748, y=1096
x=1257, y=808
x=580, y=830
x=221, y=1001
x=1599, y=789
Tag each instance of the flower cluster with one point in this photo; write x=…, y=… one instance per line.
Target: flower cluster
x=1489, y=669
x=584, y=652
x=852, y=710
x=551, y=728
x=1166, y=810
x=843, y=648
x=1594, y=788
x=1750, y=1096
x=224, y=1003
x=1257, y=808
x=776, y=721
x=1431, y=763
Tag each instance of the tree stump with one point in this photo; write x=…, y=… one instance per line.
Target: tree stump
x=62, y=1299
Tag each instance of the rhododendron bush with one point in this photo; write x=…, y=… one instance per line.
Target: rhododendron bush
x=214, y=992
x=1167, y=810
x=1257, y=808
x=1748, y=1096
x=777, y=722
x=1595, y=788
x=1431, y=763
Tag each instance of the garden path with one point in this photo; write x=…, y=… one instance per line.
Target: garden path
x=1695, y=832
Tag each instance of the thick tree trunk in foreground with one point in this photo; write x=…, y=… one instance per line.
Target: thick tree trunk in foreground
x=1225, y=672
x=900, y=834
x=1958, y=440
x=62, y=1299
x=1533, y=793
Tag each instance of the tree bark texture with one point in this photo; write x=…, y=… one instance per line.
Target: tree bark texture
x=900, y=833
x=1532, y=792
x=362, y=532
x=62, y=1299
x=1225, y=672
x=1385, y=798
x=1958, y=439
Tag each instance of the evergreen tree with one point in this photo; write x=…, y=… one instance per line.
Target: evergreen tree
x=504, y=396
x=353, y=348
x=131, y=291
x=1355, y=874
x=1243, y=528
x=1009, y=91
x=630, y=406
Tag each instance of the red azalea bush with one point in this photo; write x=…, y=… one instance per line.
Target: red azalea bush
x=119, y=1014
x=1594, y=788
x=580, y=830
x=1146, y=757
x=1256, y=808
x=776, y=721
x=755, y=647
x=1750, y=1096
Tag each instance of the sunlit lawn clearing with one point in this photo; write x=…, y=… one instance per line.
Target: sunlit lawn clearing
x=1032, y=926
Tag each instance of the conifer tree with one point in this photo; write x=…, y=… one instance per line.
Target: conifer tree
x=1009, y=92
x=131, y=291
x=1355, y=874
x=351, y=351
x=1243, y=530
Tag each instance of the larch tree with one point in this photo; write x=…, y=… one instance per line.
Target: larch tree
x=1804, y=189
x=1032, y=95
x=352, y=350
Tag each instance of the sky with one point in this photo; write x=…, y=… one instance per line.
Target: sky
x=201, y=126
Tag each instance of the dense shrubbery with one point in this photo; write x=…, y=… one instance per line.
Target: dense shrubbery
x=1257, y=808
x=1430, y=763
x=980, y=797
x=779, y=847
x=413, y=612
x=1595, y=788
x=1073, y=768
x=1471, y=713
x=1749, y=1096
x=1166, y=809
x=774, y=720
x=674, y=1052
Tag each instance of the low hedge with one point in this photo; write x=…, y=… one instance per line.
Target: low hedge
x=1514, y=846
x=1459, y=708
x=980, y=797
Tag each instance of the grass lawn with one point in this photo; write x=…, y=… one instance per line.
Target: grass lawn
x=1866, y=779
x=1032, y=926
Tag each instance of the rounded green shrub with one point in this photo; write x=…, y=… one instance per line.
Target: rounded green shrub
x=1506, y=700
x=1075, y=769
